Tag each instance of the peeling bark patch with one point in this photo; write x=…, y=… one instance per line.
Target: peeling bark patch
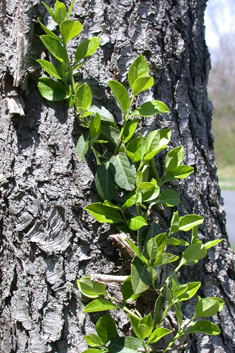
x=53, y=321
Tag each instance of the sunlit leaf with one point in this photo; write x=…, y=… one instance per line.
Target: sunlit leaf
x=86, y=48
x=70, y=29
x=99, y=305
x=89, y=288
x=52, y=90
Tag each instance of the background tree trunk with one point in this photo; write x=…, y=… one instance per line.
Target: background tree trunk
x=47, y=239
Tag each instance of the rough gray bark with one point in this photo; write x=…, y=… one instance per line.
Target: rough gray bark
x=47, y=239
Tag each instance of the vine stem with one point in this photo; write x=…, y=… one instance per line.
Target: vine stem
x=124, y=308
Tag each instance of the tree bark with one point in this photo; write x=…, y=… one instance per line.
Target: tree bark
x=47, y=240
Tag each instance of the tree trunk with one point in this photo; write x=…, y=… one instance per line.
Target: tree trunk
x=47, y=239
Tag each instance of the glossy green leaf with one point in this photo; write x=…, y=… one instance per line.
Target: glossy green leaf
x=145, y=331
x=93, y=350
x=82, y=146
x=221, y=302
x=194, y=238
x=152, y=249
x=169, y=296
x=54, y=47
x=150, y=108
x=105, y=115
x=156, y=141
x=52, y=90
x=130, y=129
x=86, y=48
x=83, y=97
x=168, y=198
x=139, y=68
x=158, y=309
x=142, y=84
x=70, y=29
x=133, y=149
x=205, y=327
x=60, y=10
x=176, y=242
x=127, y=291
x=70, y=8
x=195, y=251
x=137, y=222
x=135, y=326
x=150, y=194
x=99, y=305
x=178, y=314
x=124, y=345
x=93, y=340
x=189, y=221
x=180, y=172
x=62, y=70
x=130, y=200
x=174, y=223
x=106, y=328
x=179, y=290
x=51, y=12
x=49, y=68
x=94, y=128
x=191, y=291
x=161, y=242
x=47, y=30
x=105, y=185
x=147, y=320
x=104, y=213
x=89, y=288
x=158, y=334
x=212, y=243
x=206, y=307
x=140, y=276
x=120, y=94
x=123, y=171
x=165, y=258
x=174, y=158
x=110, y=131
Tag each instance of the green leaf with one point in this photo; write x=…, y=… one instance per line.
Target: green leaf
x=179, y=290
x=161, y=242
x=47, y=30
x=164, y=259
x=195, y=251
x=174, y=158
x=110, y=132
x=49, y=68
x=174, y=223
x=134, y=150
x=124, y=345
x=123, y=171
x=105, y=115
x=135, y=326
x=147, y=320
x=194, y=238
x=52, y=90
x=93, y=350
x=130, y=129
x=189, y=221
x=90, y=289
x=94, y=128
x=104, y=213
x=106, y=328
x=132, y=245
x=130, y=200
x=168, y=198
x=178, y=314
x=142, y=84
x=62, y=70
x=83, y=97
x=127, y=291
x=139, y=68
x=140, y=276
x=158, y=308
x=70, y=29
x=99, y=305
x=156, y=141
x=51, y=13
x=152, y=249
x=70, y=8
x=180, y=172
x=54, y=47
x=206, y=307
x=176, y=242
x=212, y=243
x=60, y=10
x=86, y=48
x=191, y=291
x=93, y=340
x=150, y=194
x=137, y=222
x=120, y=94
x=150, y=108
x=205, y=327
x=169, y=296
x=158, y=334
x=105, y=185
x=220, y=302
x=82, y=146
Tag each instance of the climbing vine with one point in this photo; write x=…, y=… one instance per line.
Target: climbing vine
x=126, y=168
